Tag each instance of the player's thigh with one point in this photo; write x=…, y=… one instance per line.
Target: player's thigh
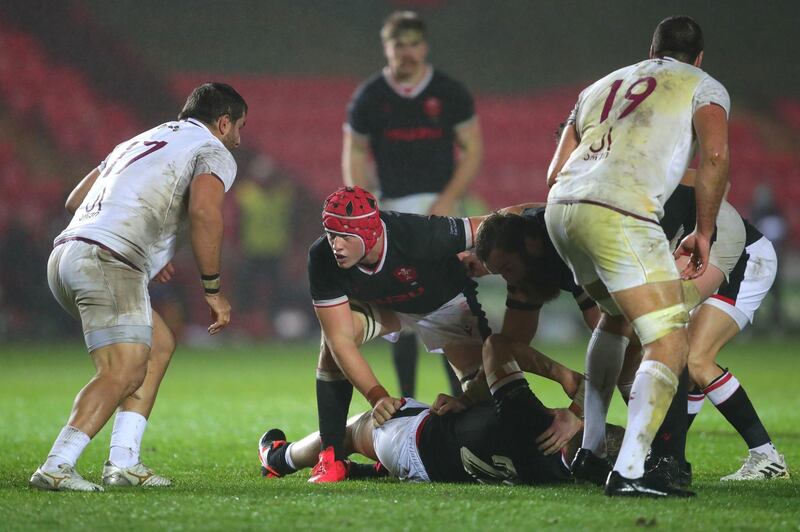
x=127, y=362
x=111, y=298
x=372, y=321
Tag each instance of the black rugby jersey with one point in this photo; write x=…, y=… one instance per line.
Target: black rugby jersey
x=411, y=136
x=417, y=273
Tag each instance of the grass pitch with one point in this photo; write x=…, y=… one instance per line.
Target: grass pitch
x=215, y=404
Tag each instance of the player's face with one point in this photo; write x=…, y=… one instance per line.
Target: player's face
x=347, y=249
x=233, y=136
x=510, y=265
x=406, y=54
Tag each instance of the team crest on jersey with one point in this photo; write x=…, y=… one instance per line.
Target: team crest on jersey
x=433, y=107
x=405, y=274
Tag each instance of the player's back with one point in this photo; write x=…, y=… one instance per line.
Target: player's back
x=636, y=136
x=138, y=204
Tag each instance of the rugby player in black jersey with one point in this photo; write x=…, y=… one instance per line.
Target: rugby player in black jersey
x=741, y=271
x=374, y=274
x=513, y=438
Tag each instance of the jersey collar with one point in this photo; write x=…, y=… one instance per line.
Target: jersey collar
x=379, y=266
x=405, y=91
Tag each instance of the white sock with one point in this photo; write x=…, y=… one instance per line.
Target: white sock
x=604, y=358
x=288, y=456
x=653, y=389
x=695, y=403
x=126, y=438
x=67, y=448
x=767, y=449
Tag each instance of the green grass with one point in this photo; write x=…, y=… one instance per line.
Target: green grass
x=215, y=404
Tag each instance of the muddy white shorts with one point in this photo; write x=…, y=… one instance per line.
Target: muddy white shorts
x=395, y=442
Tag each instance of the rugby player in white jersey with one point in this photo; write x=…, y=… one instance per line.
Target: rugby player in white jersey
x=624, y=150
x=129, y=213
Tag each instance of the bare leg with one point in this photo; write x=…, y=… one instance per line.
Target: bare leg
x=358, y=439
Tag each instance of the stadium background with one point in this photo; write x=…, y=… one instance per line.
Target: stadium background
x=76, y=77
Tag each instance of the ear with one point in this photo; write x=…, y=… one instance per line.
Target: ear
x=224, y=124
x=699, y=60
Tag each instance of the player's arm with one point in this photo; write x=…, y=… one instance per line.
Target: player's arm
x=78, y=194
x=567, y=144
x=206, y=196
x=337, y=328
x=469, y=140
x=355, y=159
x=711, y=125
x=520, y=321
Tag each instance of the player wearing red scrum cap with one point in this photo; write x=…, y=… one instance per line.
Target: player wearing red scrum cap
x=374, y=274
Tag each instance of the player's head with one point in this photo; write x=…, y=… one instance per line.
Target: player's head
x=352, y=224
x=680, y=38
x=513, y=246
x=219, y=106
x=404, y=36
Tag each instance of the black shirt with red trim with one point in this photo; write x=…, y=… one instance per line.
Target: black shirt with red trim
x=418, y=270
x=411, y=131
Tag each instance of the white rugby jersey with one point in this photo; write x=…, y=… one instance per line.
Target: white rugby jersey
x=137, y=207
x=636, y=133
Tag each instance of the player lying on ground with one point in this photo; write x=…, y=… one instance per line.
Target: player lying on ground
x=128, y=215
x=374, y=274
x=512, y=439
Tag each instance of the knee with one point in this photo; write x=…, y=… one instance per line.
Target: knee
x=496, y=343
x=326, y=360
x=126, y=377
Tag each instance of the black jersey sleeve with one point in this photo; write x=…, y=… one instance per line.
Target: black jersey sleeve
x=323, y=276
x=679, y=212
x=360, y=110
x=433, y=237
x=463, y=106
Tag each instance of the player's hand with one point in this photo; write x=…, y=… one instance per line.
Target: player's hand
x=698, y=248
x=472, y=266
x=384, y=409
x=220, y=312
x=166, y=273
x=564, y=426
x=447, y=404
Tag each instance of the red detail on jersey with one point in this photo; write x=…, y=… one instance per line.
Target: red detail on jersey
x=401, y=298
x=405, y=274
x=433, y=107
x=410, y=134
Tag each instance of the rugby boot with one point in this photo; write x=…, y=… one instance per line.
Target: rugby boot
x=669, y=470
x=329, y=469
x=652, y=487
x=137, y=475
x=358, y=471
x=272, y=449
x=759, y=466
x=586, y=467
x=65, y=479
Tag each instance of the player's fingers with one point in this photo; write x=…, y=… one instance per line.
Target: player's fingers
x=544, y=437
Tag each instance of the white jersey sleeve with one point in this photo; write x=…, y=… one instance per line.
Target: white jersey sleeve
x=217, y=160
x=711, y=91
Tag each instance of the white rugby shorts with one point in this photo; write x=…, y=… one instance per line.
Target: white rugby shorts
x=748, y=283
x=600, y=243
x=395, y=444
x=109, y=297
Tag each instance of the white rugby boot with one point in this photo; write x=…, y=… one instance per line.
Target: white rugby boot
x=137, y=475
x=65, y=479
x=758, y=466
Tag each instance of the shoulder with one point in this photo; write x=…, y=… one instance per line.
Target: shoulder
x=443, y=81
x=371, y=87
x=319, y=249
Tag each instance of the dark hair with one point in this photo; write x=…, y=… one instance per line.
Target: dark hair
x=212, y=100
x=401, y=21
x=506, y=232
x=678, y=37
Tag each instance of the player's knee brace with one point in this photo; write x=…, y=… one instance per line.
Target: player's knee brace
x=654, y=325
x=691, y=295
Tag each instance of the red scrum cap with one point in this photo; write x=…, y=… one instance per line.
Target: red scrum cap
x=353, y=211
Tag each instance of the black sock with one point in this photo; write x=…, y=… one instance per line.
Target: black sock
x=452, y=378
x=404, y=354
x=732, y=401
x=333, y=404
x=695, y=394
x=670, y=439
